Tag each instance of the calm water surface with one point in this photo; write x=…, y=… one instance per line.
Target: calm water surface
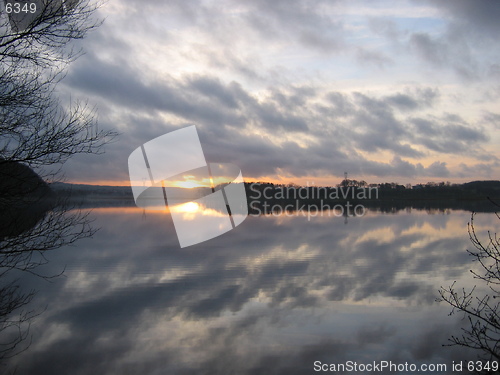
x=270, y=297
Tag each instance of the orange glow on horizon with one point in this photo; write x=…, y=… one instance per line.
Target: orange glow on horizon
x=301, y=181
x=187, y=184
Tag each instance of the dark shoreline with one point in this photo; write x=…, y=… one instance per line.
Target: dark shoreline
x=473, y=197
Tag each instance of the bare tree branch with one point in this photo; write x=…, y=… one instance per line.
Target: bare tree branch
x=482, y=311
x=36, y=131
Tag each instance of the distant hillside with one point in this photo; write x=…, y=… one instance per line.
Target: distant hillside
x=488, y=183
x=18, y=180
x=81, y=190
x=23, y=199
x=491, y=188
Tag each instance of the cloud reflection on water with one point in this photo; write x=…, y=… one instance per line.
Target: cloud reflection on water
x=271, y=296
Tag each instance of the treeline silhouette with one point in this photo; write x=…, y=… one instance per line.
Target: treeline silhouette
x=384, y=197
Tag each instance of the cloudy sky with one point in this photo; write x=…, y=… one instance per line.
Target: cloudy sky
x=296, y=90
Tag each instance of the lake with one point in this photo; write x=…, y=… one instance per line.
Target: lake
x=273, y=296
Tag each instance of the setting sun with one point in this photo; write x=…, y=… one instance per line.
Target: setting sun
x=189, y=207
x=190, y=184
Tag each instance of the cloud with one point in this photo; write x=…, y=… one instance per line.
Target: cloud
x=449, y=134
x=259, y=81
x=492, y=118
x=453, y=38
x=418, y=99
x=438, y=169
x=463, y=44
x=386, y=27
x=301, y=20
x=223, y=110
x=484, y=170
x=429, y=49
x=479, y=16
x=404, y=168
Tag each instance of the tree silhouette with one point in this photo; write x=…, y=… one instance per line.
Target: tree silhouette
x=481, y=310
x=14, y=330
x=35, y=128
x=37, y=131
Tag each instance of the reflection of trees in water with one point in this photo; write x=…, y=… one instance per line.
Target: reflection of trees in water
x=14, y=329
x=32, y=222
x=481, y=308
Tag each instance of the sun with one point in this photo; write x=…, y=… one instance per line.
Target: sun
x=189, y=207
x=188, y=184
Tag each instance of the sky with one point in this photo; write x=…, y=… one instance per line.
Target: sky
x=298, y=91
